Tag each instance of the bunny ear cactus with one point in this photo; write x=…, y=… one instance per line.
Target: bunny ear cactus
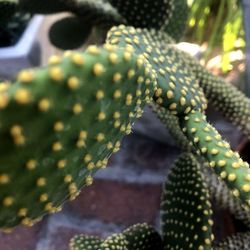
x=226, y=163
x=96, y=12
x=177, y=90
x=235, y=242
x=223, y=198
x=173, y=26
x=96, y=86
x=144, y=14
x=224, y=97
x=171, y=123
x=139, y=237
x=185, y=208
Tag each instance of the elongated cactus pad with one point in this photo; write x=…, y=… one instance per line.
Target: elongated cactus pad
x=226, y=163
x=97, y=12
x=185, y=208
x=177, y=89
x=84, y=242
x=59, y=125
x=139, y=237
x=176, y=25
x=223, y=198
x=146, y=13
x=225, y=98
x=240, y=241
x=171, y=122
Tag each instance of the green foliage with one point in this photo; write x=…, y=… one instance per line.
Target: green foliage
x=218, y=22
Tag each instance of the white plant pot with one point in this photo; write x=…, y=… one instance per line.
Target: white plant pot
x=25, y=53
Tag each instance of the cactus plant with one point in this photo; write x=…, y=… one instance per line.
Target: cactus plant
x=74, y=148
x=140, y=236
x=104, y=89
x=186, y=207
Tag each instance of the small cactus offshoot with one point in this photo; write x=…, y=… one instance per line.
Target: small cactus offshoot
x=185, y=208
x=139, y=237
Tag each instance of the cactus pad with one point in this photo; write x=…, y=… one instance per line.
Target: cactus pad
x=96, y=12
x=185, y=209
x=54, y=131
x=139, y=237
x=235, y=242
x=171, y=123
x=226, y=163
x=225, y=98
x=223, y=198
x=177, y=89
x=146, y=13
x=176, y=27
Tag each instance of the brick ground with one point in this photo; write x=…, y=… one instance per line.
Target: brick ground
x=22, y=238
x=120, y=203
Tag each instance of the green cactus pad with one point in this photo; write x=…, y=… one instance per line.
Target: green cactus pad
x=115, y=242
x=7, y=10
x=146, y=13
x=171, y=122
x=235, y=242
x=225, y=98
x=223, y=198
x=143, y=236
x=185, y=208
x=97, y=12
x=176, y=25
x=139, y=237
x=69, y=33
x=84, y=242
x=226, y=163
x=177, y=89
x=54, y=132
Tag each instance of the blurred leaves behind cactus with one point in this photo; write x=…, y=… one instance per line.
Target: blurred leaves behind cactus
x=224, y=21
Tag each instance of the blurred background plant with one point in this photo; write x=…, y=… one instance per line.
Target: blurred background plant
x=218, y=26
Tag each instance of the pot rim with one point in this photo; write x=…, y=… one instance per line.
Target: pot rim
x=23, y=46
